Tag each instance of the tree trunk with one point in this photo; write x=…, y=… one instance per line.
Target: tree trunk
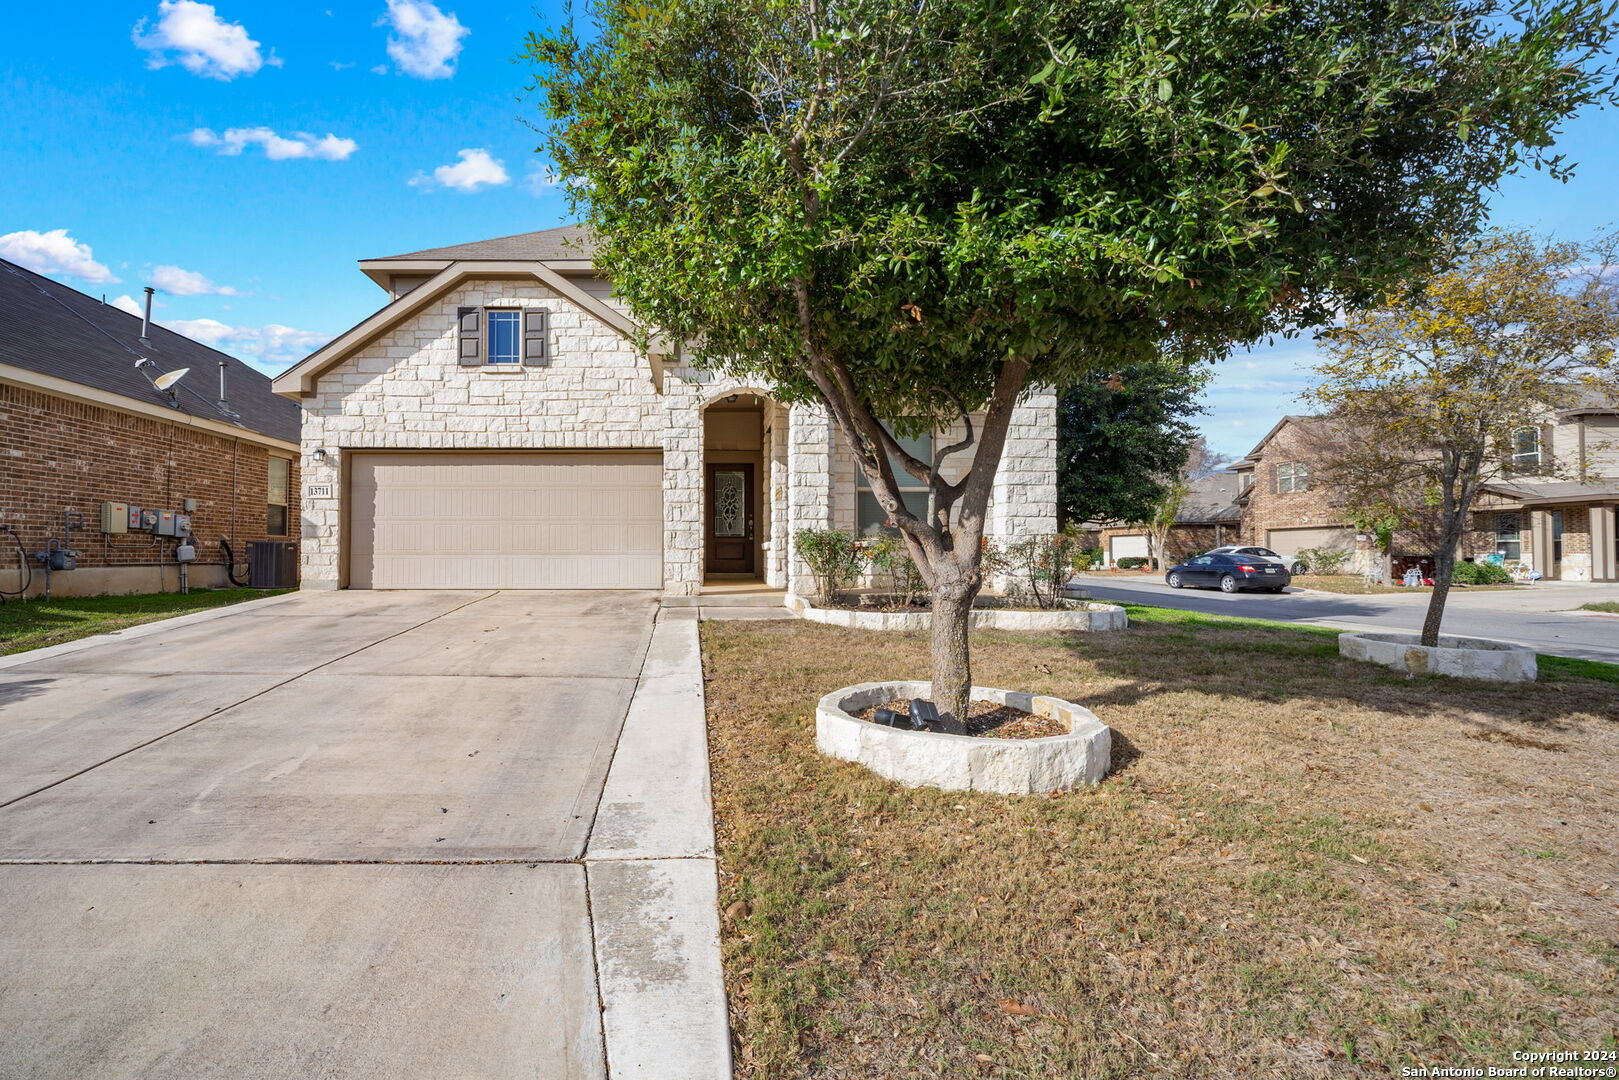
x=1444, y=566
x=953, y=594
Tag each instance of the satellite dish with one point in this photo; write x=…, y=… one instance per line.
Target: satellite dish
x=167, y=380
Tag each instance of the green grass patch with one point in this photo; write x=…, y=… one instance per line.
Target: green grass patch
x=34, y=624
x=1557, y=668
x=1611, y=606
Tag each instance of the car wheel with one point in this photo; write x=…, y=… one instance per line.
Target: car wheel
x=1174, y=581
x=1228, y=584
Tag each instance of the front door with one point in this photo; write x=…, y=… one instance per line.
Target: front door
x=729, y=540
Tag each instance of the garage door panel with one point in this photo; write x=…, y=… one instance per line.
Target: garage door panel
x=1290, y=542
x=505, y=520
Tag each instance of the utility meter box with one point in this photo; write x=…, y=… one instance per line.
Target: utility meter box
x=182, y=524
x=164, y=523
x=144, y=520
x=114, y=517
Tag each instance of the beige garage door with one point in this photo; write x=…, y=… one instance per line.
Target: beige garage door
x=480, y=520
x=1292, y=541
x=1125, y=547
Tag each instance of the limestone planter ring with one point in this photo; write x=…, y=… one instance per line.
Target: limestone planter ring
x=1468, y=658
x=1084, y=615
x=965, y=762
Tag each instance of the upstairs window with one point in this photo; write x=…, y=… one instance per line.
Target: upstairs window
x=870, y=515
x=1526, y=449
x=1292, y=476
x=505, y=337
x=275, y=511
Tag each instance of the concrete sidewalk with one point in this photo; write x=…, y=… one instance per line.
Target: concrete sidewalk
x=362, y=835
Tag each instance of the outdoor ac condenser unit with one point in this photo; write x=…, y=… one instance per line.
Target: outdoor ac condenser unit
x=272, y=564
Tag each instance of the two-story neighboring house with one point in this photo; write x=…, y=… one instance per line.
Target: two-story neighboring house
x=1553, y=511
x=494, y=425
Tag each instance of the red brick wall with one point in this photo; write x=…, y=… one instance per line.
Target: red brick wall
x=56, y=453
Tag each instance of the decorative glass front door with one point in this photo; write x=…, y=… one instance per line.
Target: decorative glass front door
x=730, y=519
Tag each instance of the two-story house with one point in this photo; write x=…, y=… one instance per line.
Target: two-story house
x=1552, y=511
x=495, y=425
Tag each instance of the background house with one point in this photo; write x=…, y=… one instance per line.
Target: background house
x=496, y=425
x=80, y=426
x=1553, y=511
x=1208, y=517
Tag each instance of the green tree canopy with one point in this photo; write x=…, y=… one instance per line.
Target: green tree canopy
x=910, y=211
x=1121, y=438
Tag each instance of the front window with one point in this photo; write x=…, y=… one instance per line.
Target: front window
x=280, y=482
x=1526, y=449
x=1292, y=476
x=505, y=337
x=870, y=515
x=1509, y=537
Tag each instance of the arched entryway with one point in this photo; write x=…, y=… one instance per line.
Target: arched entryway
x=743, y=501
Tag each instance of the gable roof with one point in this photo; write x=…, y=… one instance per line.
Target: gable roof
x=546, y=245
x=52, y=330
x=1210, y=499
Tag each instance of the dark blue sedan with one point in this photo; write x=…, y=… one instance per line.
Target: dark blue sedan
x=1229, y=573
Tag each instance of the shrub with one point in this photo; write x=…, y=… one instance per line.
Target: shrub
x=1040, y=566
x=1480, y=573
x=834, y=559
x=1088, y=559
x=1131, y=562
x=888, y=555
x=1323, y=560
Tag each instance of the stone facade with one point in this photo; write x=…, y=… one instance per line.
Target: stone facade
x=406, y=390
x=62, y=453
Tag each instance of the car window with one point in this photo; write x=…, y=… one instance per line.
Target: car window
x=1202, y=560
x=1267, y=552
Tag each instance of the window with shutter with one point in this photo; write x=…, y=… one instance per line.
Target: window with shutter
x=502, y=327
x=471, y=354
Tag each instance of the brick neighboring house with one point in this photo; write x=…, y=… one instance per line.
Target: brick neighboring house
x=1208, y=517
x=495, y=425
x=1537, y=517
x=80, y=425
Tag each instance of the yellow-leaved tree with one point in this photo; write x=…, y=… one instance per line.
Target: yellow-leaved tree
x=1426, y=393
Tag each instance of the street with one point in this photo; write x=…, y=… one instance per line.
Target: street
x=1540, y=616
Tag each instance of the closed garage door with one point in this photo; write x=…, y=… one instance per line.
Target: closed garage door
x=1290, y=542
x=1124, y=547
x=505, y=521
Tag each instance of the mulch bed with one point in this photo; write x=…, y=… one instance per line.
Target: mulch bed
x=988, y=720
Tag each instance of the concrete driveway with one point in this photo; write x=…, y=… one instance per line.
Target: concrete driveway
x=336, y=834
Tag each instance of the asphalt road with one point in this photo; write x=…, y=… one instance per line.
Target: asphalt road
x=1539, y=616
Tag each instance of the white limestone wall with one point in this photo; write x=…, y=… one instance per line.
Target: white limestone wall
x=405, y=390
x=1023, y=501
x=809, y=483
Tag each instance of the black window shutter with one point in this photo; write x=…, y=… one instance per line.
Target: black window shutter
x=470, y=320
x=536, y=324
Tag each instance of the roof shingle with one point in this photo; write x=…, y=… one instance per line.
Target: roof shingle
x=566, y=242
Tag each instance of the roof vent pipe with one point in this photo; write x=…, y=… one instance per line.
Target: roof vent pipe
x=222, y=406
x=146, y=320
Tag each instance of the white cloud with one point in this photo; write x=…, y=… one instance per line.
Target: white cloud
x=301, y=144
x=193, y=36
x=476, y=169
x=341, y=65
x=271, y=343
x=172, y=279
x=425, y=41
x=54, y=252
x=128, y=303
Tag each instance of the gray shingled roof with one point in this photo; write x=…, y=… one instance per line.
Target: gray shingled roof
x=1555, y=491
x=48, y=328
x=567, y=242
x=1211, y=499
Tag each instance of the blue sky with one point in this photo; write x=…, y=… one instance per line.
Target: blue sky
x=244, y=155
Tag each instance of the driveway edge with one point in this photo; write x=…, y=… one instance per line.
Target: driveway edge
x=652, y=878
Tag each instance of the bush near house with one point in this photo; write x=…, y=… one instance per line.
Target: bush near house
x=834, y=558
x=1133, y=562
x=1040, y=566
x=1478, y=573
x=1323, y=560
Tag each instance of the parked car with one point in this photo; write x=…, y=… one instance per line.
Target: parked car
x=1294, y=566
x=1230, y=573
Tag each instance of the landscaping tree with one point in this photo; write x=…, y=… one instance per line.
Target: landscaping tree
x=909, y=212
x=1197, y=461
x=1119, y=434
x=1428, y=392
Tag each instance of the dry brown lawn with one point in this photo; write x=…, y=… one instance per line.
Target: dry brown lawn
x=1301, y=866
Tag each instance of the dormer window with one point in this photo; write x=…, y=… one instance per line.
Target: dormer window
x=1292, y=476
x=1526, y=449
